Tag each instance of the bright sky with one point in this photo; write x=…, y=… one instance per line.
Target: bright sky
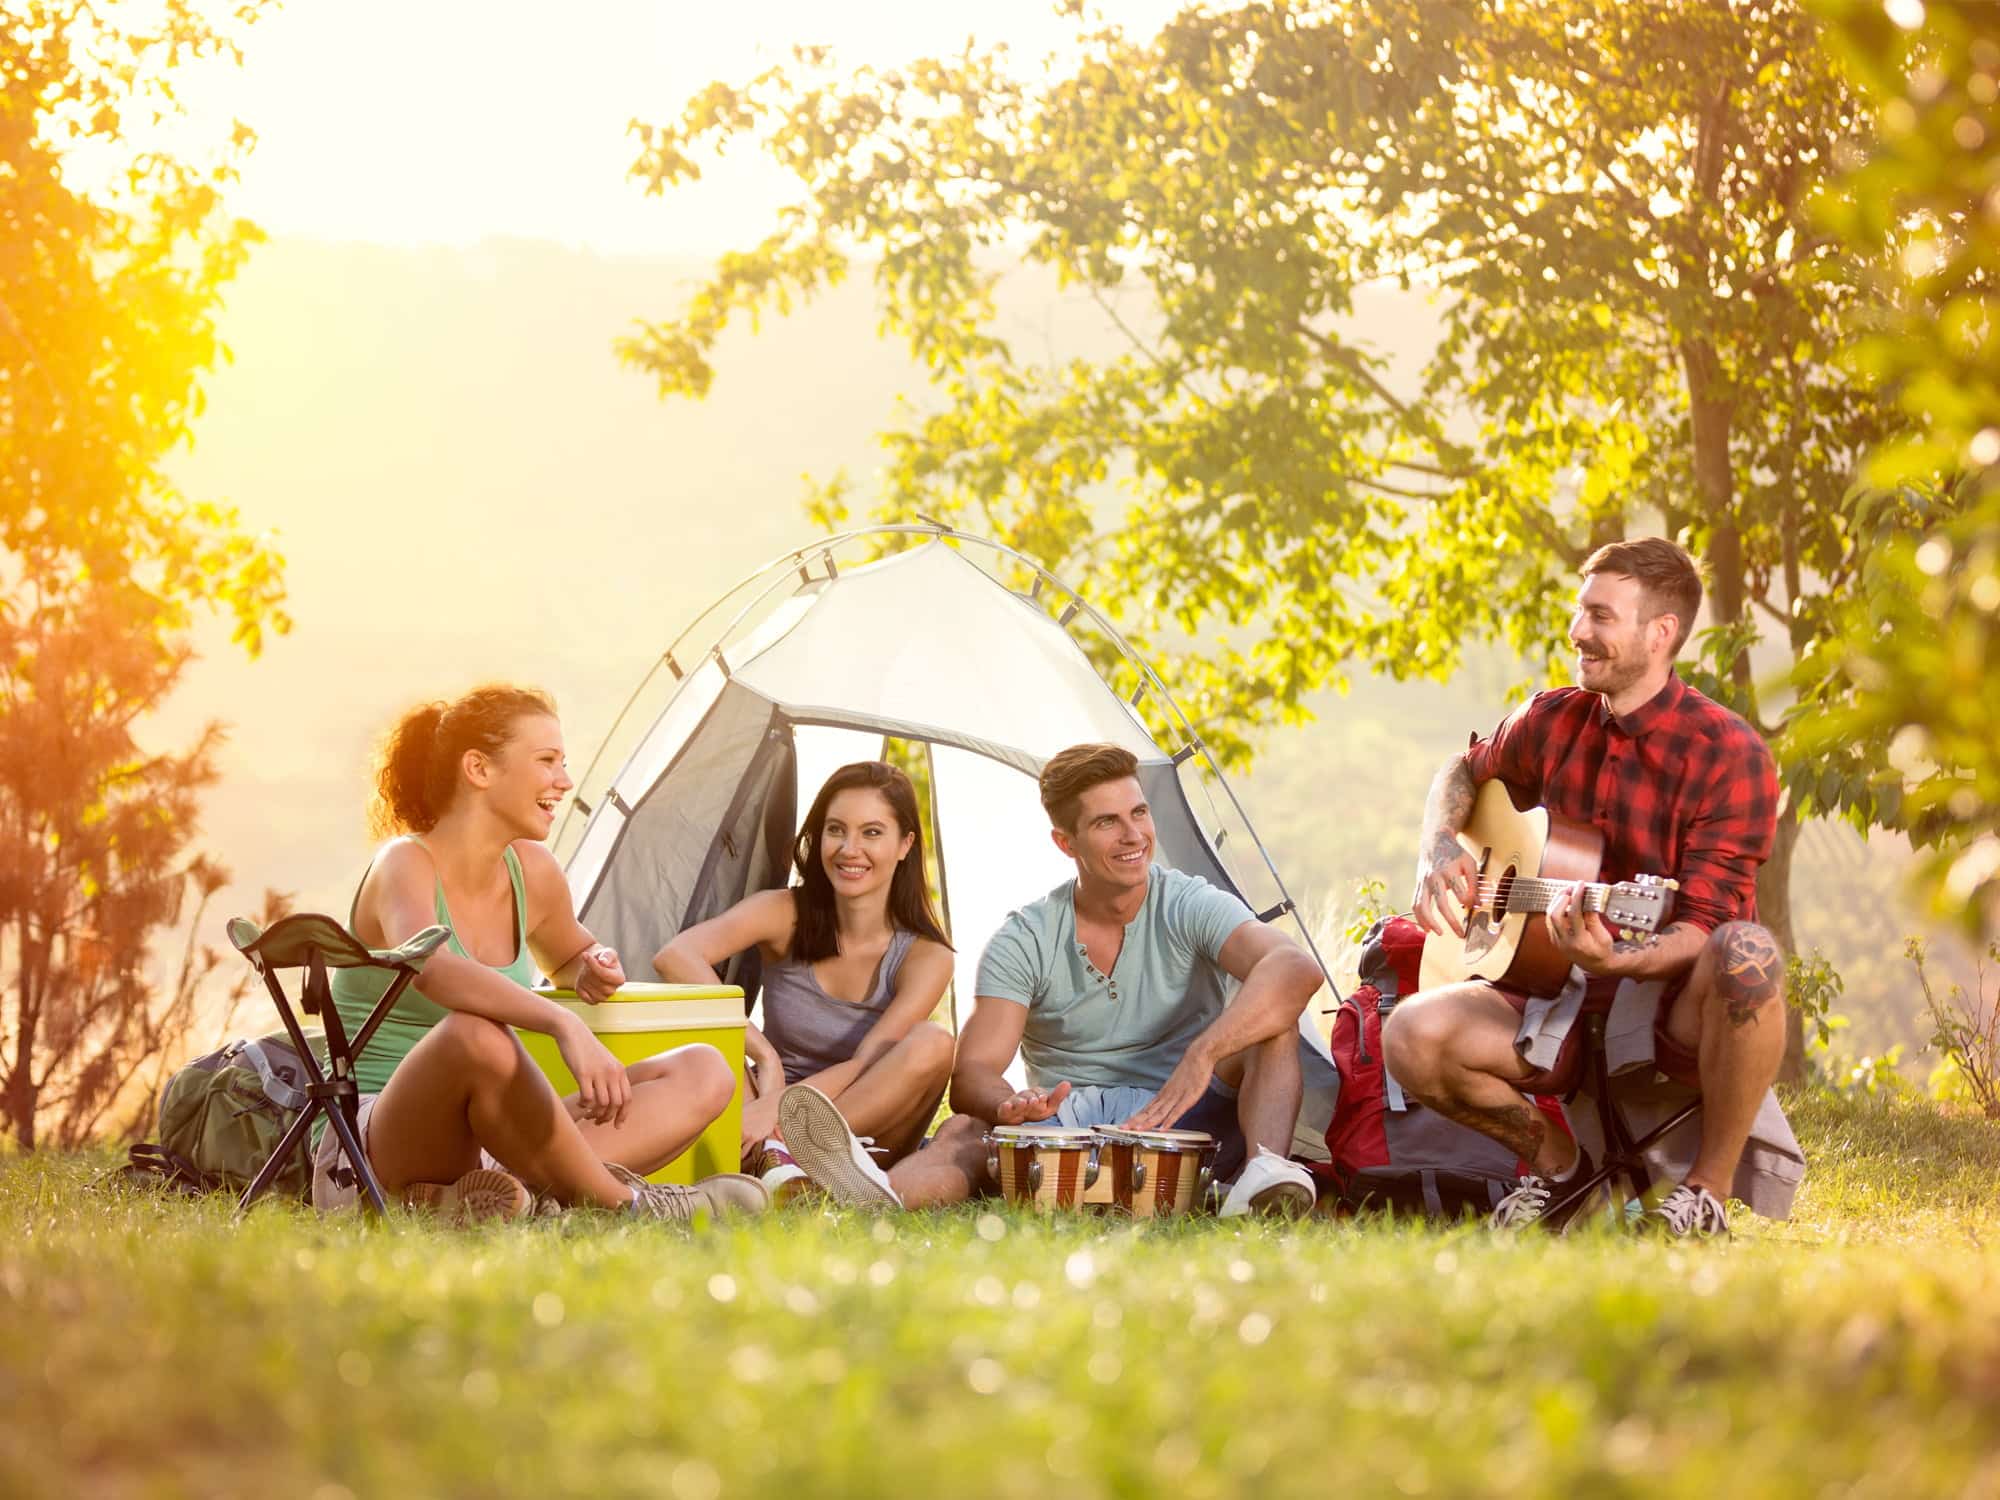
x=428, y=121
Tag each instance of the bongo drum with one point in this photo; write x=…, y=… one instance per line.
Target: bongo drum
x=1047, y=1166
x=1155, y=1173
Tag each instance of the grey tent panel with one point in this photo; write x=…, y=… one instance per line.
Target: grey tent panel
x=1176, y=832
x=653, y=873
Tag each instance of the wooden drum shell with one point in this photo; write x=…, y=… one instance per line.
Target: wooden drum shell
x=1159, y=1173
x=1046, y=1167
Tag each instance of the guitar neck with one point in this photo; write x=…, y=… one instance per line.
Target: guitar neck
x=1528, y=894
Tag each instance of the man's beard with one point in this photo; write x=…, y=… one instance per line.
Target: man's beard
x=1614, y=675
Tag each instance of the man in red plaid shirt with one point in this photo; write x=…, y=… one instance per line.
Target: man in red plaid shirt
x=1678, y=786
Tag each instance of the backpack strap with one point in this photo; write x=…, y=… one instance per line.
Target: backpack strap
x=147, y=1161
x=1393, y=1091
x=256, y=1056
x=1433, y=1199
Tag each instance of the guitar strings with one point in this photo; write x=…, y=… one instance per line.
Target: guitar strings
x=1514, y=889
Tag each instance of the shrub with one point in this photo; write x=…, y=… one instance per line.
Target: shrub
x=1966, y=1028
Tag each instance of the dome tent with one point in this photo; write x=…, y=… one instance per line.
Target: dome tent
x=954, y=644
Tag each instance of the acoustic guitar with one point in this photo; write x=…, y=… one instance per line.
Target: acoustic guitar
x=1524, y=858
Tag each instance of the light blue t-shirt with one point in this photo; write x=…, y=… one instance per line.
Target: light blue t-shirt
x=1130, y=1027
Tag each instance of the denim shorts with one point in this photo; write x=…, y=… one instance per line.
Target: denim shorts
x=1214, y=1112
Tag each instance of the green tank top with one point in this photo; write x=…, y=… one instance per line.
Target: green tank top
x=355, y=992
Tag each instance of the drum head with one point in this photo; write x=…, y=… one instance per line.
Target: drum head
x=1041, y=1135
x=1175, y=1140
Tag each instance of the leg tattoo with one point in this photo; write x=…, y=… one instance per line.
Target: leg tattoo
x=1519, y=1127
x=1750, y=971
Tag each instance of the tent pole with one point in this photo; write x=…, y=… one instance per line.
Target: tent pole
x=944, y=885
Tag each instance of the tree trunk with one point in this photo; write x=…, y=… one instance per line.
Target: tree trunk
x=1774, y=910
x=18, y=1103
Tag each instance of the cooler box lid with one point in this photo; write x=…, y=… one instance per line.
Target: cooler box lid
x=657, y=1007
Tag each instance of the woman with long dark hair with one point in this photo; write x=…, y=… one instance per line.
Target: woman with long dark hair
x=454, y=1114
x=855, y=961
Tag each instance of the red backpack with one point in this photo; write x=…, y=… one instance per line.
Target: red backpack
x=1389, y=1152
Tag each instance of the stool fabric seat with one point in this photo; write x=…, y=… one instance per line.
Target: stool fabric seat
x=285, y=944
x=314, y=943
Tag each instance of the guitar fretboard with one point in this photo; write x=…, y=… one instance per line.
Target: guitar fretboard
x=1526, y=893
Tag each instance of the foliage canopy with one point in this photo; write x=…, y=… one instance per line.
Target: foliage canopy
x=107, y=300
x=1925, y=207
x=1609, y=204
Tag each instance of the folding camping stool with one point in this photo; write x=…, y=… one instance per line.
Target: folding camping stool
x=1623, y=1155
x=316, y=943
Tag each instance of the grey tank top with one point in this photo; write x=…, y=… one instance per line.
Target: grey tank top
x=810, y=1028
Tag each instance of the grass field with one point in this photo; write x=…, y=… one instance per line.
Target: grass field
x=150, y=1347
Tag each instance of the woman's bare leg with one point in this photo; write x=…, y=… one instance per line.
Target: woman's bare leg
x=469, y=1083
x=897, y=1094
x=675, y=1095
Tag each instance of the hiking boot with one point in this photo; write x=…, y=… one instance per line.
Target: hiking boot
x=1270, y=1184
x=723, y=1196
x=1534, y=1195
x=1688, y=1213
x=481, y=1195
x=822, y=1144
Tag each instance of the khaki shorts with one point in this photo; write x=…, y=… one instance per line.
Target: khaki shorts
x=335, y=1184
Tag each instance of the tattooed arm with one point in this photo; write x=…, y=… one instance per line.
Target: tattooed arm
x=1445, y=872
x=1668, y=954
x=1586, y=941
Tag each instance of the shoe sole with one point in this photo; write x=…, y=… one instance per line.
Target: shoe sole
x=821, y=1143
x=480, y=1196
x=1282, y=1200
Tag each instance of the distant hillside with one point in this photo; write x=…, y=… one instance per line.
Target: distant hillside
x=468, y=485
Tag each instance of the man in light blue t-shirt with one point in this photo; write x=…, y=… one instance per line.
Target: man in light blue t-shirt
x=1114, y=989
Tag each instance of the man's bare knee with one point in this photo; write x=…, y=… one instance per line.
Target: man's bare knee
x=1416, y=1042
x=1749, y=970
x=958, y=1130
x=961, y=1140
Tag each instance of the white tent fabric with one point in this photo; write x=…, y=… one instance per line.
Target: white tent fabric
x=994, y=838
x=923, y=646
x=925, y=641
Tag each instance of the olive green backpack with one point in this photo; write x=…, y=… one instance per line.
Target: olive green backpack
x=223, y=1115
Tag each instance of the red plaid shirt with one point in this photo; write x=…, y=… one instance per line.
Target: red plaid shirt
x=1679, y=787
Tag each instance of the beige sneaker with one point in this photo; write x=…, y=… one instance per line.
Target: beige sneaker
x=818, y=1137
x=480, y=1195
x=723, y=1196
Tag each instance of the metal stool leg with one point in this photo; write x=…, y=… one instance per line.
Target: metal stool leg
x=1622, y=1154
x=312, y=942
x=289, y=1143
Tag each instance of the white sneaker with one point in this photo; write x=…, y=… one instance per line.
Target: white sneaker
x=1270, y=1184
x=821, y=1143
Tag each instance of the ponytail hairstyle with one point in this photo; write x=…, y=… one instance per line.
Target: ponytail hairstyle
x=817, y=934
x=416, y=766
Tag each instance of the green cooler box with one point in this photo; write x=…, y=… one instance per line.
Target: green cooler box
x=642, y=1019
